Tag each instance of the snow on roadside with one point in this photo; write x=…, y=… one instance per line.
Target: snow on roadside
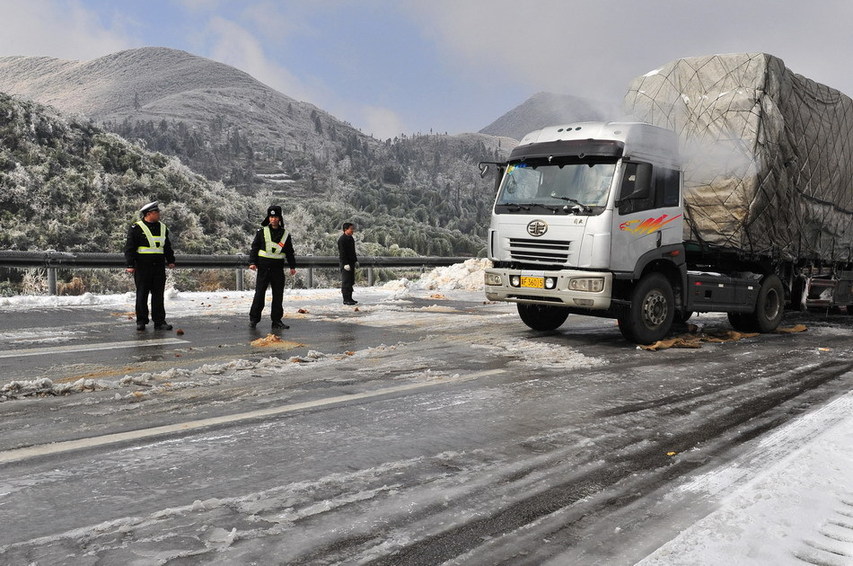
x=467, y=276
x=386, y=307
x=792, y=507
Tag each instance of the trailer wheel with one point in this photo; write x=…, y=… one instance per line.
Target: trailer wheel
x=770, y=305
x=542, y=317
x=652, y=310
x=798, y=290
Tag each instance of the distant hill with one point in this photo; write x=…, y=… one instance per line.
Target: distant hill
x=543, y=109
x=418, y=193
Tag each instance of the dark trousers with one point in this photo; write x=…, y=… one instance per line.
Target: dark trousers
x=347, y=282
x=150, y=280
x=270, y=274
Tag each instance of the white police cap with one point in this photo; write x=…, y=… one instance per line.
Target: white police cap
x=155, y=205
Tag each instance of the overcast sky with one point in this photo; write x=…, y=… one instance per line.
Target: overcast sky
x=405, y=66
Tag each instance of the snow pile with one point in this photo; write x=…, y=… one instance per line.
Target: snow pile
x=86, y=299
x=467, y=276
x=45, y=387
x=534, y=353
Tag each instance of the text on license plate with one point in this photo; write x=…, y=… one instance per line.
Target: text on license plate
x=534, y=282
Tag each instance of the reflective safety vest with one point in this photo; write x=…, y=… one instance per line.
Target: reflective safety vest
x=155, y=243
x=272, y=250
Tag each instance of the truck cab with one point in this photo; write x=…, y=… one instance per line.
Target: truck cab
x=588, y=219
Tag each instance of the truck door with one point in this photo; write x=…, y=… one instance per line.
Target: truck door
x=647, y=214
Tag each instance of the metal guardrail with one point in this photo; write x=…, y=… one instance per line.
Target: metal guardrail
x=53, y=260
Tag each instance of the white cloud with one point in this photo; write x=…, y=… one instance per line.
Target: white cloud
x=272, y=22
x=234, y=45
x=594, y=49
x=383, y=123
x=64, y=30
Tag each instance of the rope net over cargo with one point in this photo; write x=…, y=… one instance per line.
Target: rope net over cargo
x=767, y=154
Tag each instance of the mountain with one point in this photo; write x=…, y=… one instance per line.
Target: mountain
x=544, y=109
x=413, y=194
x=220, y=121
x=69, y=186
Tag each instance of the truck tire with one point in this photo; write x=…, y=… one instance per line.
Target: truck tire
x=542, y=317
x=770, y=305
x=741, y=322
x=652, y=310
x=681, y=317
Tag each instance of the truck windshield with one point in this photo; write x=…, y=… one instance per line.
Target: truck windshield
x=585, y=185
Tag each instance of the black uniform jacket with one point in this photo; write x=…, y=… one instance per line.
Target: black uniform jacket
x=136, y=238
x=276, y=234
x=346, y=250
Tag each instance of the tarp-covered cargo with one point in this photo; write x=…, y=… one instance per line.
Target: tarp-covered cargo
x=767, y=154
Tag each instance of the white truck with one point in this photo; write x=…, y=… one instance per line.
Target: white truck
x=734, y=202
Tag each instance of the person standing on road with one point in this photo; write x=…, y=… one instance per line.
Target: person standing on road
x=348, y=261
x=271, y=246
x=147, y=253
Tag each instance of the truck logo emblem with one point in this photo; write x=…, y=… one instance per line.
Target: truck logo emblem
x=537, y=228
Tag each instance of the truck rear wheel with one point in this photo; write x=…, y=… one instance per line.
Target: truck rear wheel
x=741, y=321
x=770, y=305
x=652, y=310
x=769, y=308
x=542, y=317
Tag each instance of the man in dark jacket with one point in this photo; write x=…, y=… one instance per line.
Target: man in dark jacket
x=271, y=246
x=348, y=260
x=147, y=253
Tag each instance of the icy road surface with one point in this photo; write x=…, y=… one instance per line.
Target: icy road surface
x=424, y=427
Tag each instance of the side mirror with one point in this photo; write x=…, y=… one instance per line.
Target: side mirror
x=484, y=169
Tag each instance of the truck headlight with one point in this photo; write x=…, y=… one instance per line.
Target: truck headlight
x=587, y=284
x=493, y=279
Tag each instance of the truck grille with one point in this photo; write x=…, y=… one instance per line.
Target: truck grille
x=545, y=251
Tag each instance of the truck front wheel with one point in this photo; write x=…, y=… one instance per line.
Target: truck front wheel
x=652, y=310
x=542, y=317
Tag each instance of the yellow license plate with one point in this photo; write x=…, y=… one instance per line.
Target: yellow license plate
x=533, y=282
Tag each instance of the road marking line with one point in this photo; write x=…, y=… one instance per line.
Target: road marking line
x=89, y=347
x=19, y=454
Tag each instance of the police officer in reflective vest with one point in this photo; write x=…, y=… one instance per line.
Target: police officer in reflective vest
x=271, y=247
x=147, y=253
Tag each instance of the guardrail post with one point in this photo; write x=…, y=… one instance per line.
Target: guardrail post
x=370, y=277
x=310, y=281
x=51, y=280
x=240, y=282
